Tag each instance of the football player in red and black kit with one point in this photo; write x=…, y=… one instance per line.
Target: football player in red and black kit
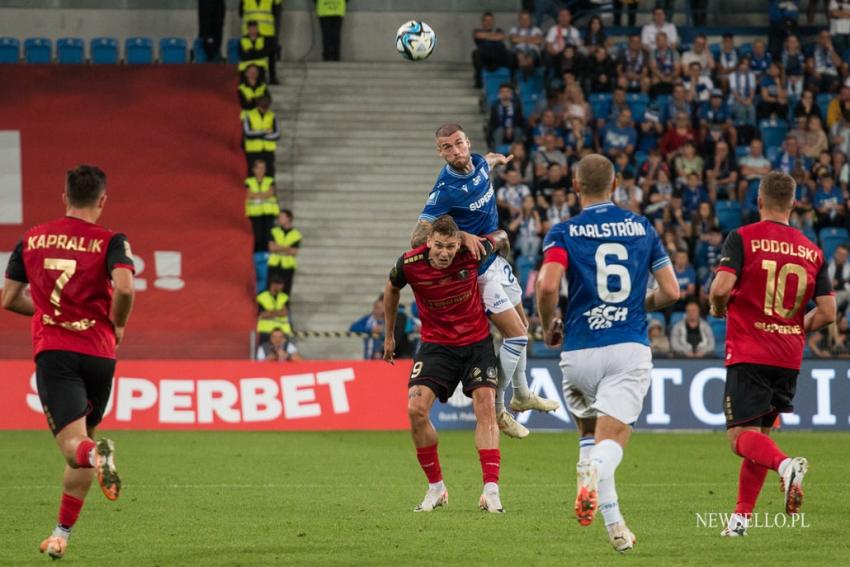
x=456, y=348
x=768, y=273
x=80, y=278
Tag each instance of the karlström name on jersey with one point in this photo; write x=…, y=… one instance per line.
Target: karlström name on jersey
x=608, y=229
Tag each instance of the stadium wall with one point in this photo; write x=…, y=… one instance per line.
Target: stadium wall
x=371, y=395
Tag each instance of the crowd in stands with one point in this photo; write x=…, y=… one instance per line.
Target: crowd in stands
x=691, y=126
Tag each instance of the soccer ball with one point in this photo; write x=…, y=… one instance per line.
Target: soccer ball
x=415, y=40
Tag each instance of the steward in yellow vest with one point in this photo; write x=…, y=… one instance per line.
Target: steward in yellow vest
x=250, y=89
x=283, y=249
x=261, y=132
x=263, y=12
x=273, y=312
x=261, y=206
x=330, y=13
x=253, y=50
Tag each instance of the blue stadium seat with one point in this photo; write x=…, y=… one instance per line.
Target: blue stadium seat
x=104, y=50
x=138, y=51
x=524, y=266
x=38, y=50
x=492, y=81
x=233, y=50
x=810, y=233
x=261, y=269
x=70, y=50
x=533, y=85
x=637, y=103
x=718, y=327
x=199, y=54
x=10, y=50
x=773, y=136
x=600, y=104
x=173, y=50
x=728, y=214
x=529, y=103
x=663, y=104
x=746, y=48
x=830, y=238
x=772, y=153
x=715, y=49
x=742, y=151
x=823, y=101
x=640, y=157
x=720, y=348
x=675, y=317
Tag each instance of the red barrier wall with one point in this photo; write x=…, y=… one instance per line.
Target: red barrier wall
x=233, y=395
x=168, y=138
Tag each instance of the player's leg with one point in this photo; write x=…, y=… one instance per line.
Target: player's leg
x=578, y=383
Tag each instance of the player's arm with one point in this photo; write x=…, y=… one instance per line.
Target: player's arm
x=500, y=241
x=547, y=289
x=119, y=262
x=420, y=233
x=493, y=159
x=15, y=296
x=824, y=312
x=667, y=292
x=392, y=294
x=731, y=262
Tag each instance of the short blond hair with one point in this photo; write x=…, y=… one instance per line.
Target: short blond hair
x=595, y=175
x=777, y=190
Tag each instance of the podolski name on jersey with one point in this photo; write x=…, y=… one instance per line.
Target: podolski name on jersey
x=603, y=316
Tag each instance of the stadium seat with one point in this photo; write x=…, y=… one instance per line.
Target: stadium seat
x=600, y=104
x=772, y=152
x=830, y=238
x=529, y=103
x=233, y=50
x=10, y=50
x=104, y=51
x=70, y=50
x=173, y=50
x=533, y=85
x=773, y=136
x=728, y=214
x=524, y=266
x=261, y=269
x=718, y=327
x=663, y=104
x=746, y=48
x=675, y=317
x=640, y=158
x=810, y=233
x=38, y=50
x=492, y=81
x=199, y=54
x=742, y=151
x=823, y=101
x=715, y=49
x=637, y=103
x=138, y=51
x=720, y=347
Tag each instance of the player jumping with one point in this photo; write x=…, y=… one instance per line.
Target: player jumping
x=463, y=190
x=607, y=254
x=456, y=348
x=80, y=297
x=768, y=273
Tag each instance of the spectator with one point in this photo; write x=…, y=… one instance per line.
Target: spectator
x=549, y=154
x=659, y=197
x=807, y=106
x=839, y=24
x=727, y=61
x=631, y=7
x=663, y=66
x=373, y=324
x=824, y=64
x=649, y=170
x=829, y=203
x=261, y=131
x=840, y=133
x=560, y=209
x=820, y=343
x=575, y=105
x=570, y=66
x=692, y=336
x=547, y=126
x=693, y=193
x=210, y=27
x=578, y=137
x=699, y=53
x=774, y=96
x=619, y=103
x=678, y=104
x=633, y=67
x=250, y=89
x=823, y=166
x=677, y=136
x=527, y=230
x=253, y=50
x=526, y=41
x=708, y=252
x=840, y=105
x=546, y=186
x=560, y=35
x=686, y=277
x=602, y=73
x=490, y=50
x=283, y=249
x=658, y=25
x=628, y=195
x=261, y=205
x=658, y=341
x=742, y=93
x=520, y=163
x=509, y=198
x=620, y=137
x=594, y=34
x=272, y=309
x=651, y=130
x=506, y=123
x=697, y=84
x=279, y=349
x=331, y=14
x=716, y=121
x=754, y=165
x=793, y=66
x=815, y=140
x=791, y=160
x=839, y=274
x=687, y=162
x=760, y=59
x=722, y=173
x=783, y=23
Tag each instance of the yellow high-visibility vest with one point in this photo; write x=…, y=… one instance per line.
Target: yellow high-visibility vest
x=330, y=8
x=259, y=45
x=251, y=94
x=269, y=302
x=260, y=122
x=255, y=207
x=259, y=11
x=285, y=261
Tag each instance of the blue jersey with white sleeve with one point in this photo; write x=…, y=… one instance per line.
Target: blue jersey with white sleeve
x=608, y=254
x=468, y=198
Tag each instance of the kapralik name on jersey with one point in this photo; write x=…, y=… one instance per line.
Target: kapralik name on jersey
x=608, y=229
x=65, y=242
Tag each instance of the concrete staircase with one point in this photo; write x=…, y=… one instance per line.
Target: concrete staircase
x=356, y=164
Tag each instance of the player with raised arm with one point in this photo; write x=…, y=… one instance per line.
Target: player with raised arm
x=463, y=190
x=768, y=272
x=456, y=349
x=80, y=278
x=607, y=254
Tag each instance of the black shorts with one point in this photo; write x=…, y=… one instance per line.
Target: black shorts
x=442, y=367
x=756, y=393
x=72, y=385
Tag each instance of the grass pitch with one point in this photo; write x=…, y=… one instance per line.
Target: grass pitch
x=207, y=498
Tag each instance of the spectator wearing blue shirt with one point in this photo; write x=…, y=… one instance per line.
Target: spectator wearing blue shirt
x=687, y=278
x=783, y=22
x=373, y=346
x=621, y=137
x=760, y=59
x=546, y=126
x=774, y=95
x=651, y=130
x=577, y=137
x=792, y=161
x=829, y=203
x=506, y=122
x=716, y=120
x=693, y=193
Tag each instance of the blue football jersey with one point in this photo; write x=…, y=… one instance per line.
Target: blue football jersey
x=469, y=199
x=609, y=254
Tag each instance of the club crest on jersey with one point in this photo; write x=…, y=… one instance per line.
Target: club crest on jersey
x=432, y=198
x=462, y=275
x=603, y=316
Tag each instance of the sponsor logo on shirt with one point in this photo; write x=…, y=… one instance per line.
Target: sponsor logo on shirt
x=480, y=203
x=603, y=316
